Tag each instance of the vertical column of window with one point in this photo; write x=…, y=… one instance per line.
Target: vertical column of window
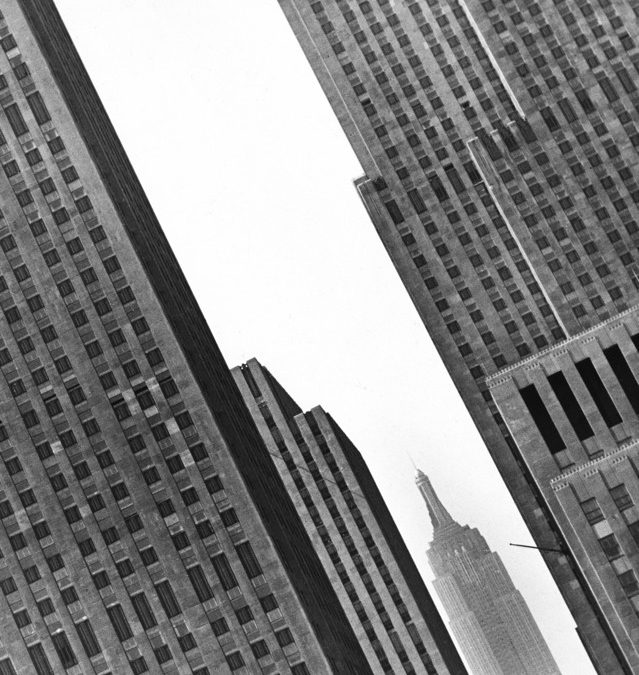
x=624, y=374
x=570, y=405
x=542, y=419
x=598, y=391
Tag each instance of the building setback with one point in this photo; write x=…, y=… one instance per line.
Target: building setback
x=362, y=551
x=142, y=527
x=489, y=618
x=499, y=144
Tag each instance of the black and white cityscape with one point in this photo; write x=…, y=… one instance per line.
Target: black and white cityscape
x=319, y=341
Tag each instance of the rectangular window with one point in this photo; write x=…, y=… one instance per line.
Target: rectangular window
x=200, y=583
x=249, y=561
x=15, y=119
x=144, y=611
x=592, y=511
x=624, y=374
x=64, y=650
x=224, y=571
x=87, y=638
x=6, y=667
x=167, y=599
x=40, y=660
x=38, y=108
x=621, y=497
x=570, y=405
x=542, y=419
x=120, y=622
x=598, y=391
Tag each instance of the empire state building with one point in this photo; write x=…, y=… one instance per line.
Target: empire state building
x=489, y=618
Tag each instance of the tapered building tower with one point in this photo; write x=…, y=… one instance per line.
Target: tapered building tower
x=353, y=532
x=142, y=527
x=488, y=616
x=499, y=144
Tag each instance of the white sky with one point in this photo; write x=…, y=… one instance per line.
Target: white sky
x=251, y=178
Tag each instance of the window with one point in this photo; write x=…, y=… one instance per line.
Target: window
x=200, y=583
x=249, y=561
x=168, y=387
x=105, y=459
x=229, y=517
x=22, y=618
x=214, y=484
x=110, y=535
x=542, y=419
x=40, y=660
x=32, y=574
x=119, y=491
x=154, y=357
x=144, y=611
x=6, y=667
x=187, y=642
x=55, y=562
x=138, y=666
x=598, y=391
x=101, y=580
x=144, y=397
x=592, y=511
x=198, y=452
x=163, y=654
x=220, y=626
x=628, y=581
x=87, y=638
x=38, y=108
x=622, y=372
x=69, y=595
x=284, y=637
x=159, y=431
x=83, y=204
x=86, y=546
x=190, y=496
x=259, y=649
x=76, y=394
x=610, y=546
x=620, y=496
x=166, y=508
x=167, y=599
x=15, y=119
x=7, y=243
x=120, y=623
x=235, y=660
x=224, y=571
x=125, y=568
x=180, y=540
x=151, y=475
x=8, y=586
x=136, y=443
x=570, y=405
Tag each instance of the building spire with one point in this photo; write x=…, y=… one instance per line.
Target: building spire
x=439, y=516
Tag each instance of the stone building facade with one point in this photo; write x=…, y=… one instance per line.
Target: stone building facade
x=354, y=534
x=138, y=526
x=498, y=141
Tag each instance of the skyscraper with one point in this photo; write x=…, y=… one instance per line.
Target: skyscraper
x=498, y=141
x=354, y=534
x=488, y=616
x=142, y=527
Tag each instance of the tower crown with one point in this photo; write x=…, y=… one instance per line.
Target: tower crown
x=438, y=513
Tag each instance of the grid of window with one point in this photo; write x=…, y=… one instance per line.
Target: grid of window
x=318, y=473
x=87, y=457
